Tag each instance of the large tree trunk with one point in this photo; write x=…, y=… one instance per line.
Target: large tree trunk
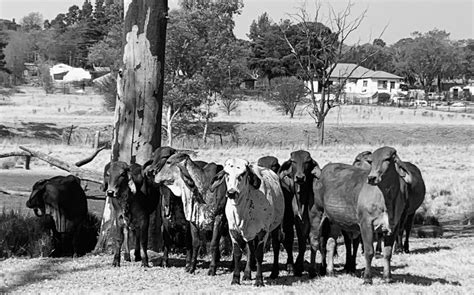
x=169, y=126
x=137, y=122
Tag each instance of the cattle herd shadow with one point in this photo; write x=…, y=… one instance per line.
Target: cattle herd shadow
x=47, y=269
x=429, y=249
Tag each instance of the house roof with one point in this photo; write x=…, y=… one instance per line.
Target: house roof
x=343, y=70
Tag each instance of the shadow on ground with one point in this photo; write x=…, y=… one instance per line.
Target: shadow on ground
x=46, y=269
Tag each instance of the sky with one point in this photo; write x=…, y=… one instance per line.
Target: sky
x=399, y=17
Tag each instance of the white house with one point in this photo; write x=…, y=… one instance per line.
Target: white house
x=361, y=82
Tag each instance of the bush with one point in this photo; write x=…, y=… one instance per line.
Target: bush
x=22, y=235
x=289, y=92
x=46, y=79
x=107, y=86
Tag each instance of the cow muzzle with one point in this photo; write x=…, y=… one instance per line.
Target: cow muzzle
x=111, y=194
x=373, y=180
x=300, y=179
x=232, y=194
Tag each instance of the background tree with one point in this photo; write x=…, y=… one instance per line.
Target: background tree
x=33, y=21
x=16, y=54
x=3, y=44
x=289, y=92
x=317, y=49
x=230, y=100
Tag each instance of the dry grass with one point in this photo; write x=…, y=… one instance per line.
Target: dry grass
x=429, y=270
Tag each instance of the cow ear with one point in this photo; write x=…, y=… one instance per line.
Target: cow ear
x=105, y=184
x=217, y=180
x=402, y=169
x=254, y=180
x=285, y=169
x=131, y=183
x=316, y=172
x=188, y=180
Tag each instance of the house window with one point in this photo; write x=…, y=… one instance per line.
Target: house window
x=364, y=83
x=392, y=85
x=353, y=81
x=382, y=84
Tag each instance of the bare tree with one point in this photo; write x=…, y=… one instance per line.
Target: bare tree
x=230, y=100
x=318, y=48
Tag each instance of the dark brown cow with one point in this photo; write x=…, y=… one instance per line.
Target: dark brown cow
x=63, y=200
x=416, y=196
x=133, y=202
x=203, y=208
x=269, y=162
x=296, y=177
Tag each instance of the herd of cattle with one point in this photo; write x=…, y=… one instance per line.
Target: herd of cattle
x=372, y=200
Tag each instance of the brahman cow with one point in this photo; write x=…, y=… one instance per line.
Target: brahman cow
x=62, y=199
x=350, y=198
x=296, y=176
x=254, y=210
x=416, y=196
x=133, y=201
x=203, y=207
x=269, y=162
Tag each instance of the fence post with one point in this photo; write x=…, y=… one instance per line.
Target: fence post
x=96, y=139
x=27, y=162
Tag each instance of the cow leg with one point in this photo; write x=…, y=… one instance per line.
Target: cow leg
x=288, y=221
x=125, y=244
x=118, y=245
x=259, y=249
x=76, y=236
x=216, y=236
x=301, y=247
x=348, y=242
x=166, y=248
x=196, y=245
x=367, y=238
x=276, y=252
x=144, y=241
x=312, y=268
x=136, y=251
x=250, y=257
x=355, y=244
x=387, y=257
x=378, y=248
x=331, y=247
x=408, y=226
x=237, y=251
x=189, y=247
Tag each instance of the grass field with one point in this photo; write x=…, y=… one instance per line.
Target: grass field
x=440, y=143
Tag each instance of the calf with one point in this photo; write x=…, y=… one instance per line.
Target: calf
x=254, y=210
x=64, y=201
x=269, y=162
x=132, y=202
x=296, y=176
x=416, y=196
x=203, y=206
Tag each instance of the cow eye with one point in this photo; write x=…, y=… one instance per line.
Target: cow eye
x=239, y=178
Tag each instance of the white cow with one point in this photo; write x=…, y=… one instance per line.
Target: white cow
x=254, y=209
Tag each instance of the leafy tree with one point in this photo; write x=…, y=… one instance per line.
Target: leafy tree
x=426, y=57
x=289, y=92
x=374, y=56
x=268, y=49
x=16, y=54
x=33, y=21
x=73, y=16
x=3, y=44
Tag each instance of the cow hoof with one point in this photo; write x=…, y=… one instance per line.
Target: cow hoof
x=312, y=273
x=398, y=251
x=367, y=281
x=145, y=264
x=126, y=257
x=247, y=276
x=138, y=258
x=235, y=281
x=164, y=263
x=211, y=272
x=330, y=273
x=259, y=283
x=388, y=280
x=274, y=274
x=116, y=264
x=289, y=268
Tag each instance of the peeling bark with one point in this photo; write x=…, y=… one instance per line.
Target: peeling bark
x=137, y=121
